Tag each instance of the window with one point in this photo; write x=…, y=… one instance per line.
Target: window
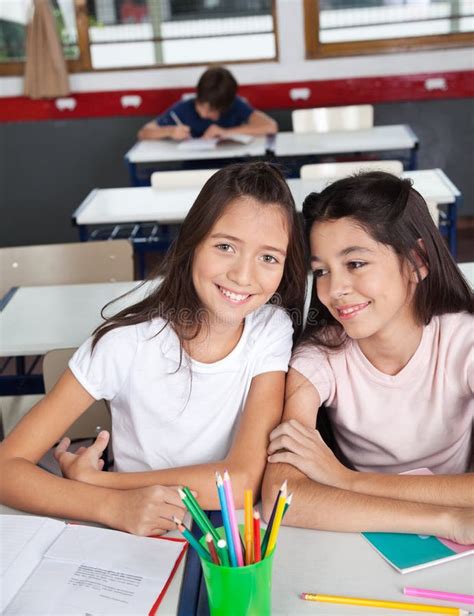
x=344, y=27
x=114, y=34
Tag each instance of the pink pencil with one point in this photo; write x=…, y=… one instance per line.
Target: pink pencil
x=232, y=519
x=438, y=594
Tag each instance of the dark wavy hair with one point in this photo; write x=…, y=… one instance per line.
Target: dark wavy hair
x=175, y=300
x=393, y=213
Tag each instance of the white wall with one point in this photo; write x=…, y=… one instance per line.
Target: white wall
x=291, y=67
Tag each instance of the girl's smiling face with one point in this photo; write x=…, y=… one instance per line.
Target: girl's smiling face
x=361, y=281
x=239, y=265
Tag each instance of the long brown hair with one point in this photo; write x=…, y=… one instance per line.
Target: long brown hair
x=175, y=299
x=392, y=212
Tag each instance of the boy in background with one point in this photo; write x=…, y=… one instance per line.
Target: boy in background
x=215, y=112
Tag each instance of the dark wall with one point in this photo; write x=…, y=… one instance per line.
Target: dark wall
x=48, y=168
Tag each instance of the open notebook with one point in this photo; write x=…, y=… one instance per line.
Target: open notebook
x=407, y=553
x=212, y=144
x=50, y=567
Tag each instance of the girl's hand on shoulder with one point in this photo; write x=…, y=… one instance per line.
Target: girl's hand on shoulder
x=146, y=511
x=86, y=462
x=302, y=447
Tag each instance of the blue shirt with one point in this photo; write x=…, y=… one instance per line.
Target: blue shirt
x=238, y=113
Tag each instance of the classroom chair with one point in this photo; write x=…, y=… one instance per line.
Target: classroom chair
x=84, y=430
x=339, y=170
x=326, y=119
x=181, y=179
x=74, y=263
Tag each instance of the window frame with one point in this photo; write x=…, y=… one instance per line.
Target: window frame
x=83, y=64
x=316, y=50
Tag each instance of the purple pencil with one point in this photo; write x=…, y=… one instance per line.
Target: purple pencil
x=232, y=519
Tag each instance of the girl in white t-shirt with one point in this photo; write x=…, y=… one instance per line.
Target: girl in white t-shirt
x=194, y=373
x=388, y=350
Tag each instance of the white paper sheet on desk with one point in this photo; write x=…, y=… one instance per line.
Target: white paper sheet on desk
x=93, y=572
x=211, y=144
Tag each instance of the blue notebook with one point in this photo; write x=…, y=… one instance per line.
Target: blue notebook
x=408, y=553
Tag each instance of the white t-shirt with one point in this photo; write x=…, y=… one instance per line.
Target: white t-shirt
x=165, y=417
x=420, y=417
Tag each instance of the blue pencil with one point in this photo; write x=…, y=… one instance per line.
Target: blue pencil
x=225, y=519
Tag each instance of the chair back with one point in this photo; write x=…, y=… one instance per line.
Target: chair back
x=54, y=364
x=194, y=178
x=78, y=262
x=340, y=170
x=325, y=119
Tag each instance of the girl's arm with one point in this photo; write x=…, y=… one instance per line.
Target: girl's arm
x=245, y=460
x=316, y=505
x=25, y=486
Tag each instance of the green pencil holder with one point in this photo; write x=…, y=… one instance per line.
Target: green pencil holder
x=239, y=591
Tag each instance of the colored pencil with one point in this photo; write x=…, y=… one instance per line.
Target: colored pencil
x=225, y=519
x=438, y=594
x=197, y=513
x=248, y=526
x=289, y=498
x=212, y=549
x=266, y=537
x=276, y=525
x=193, y=541
x=257, y=553
x=223, y=553
x=232, y=519
x=392, y=605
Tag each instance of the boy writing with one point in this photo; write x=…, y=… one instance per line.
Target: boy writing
x=215, y=112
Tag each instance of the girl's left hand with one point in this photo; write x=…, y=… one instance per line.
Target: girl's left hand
x=302, y=447
x=86, y=462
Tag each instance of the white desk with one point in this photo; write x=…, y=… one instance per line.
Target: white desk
x=167, y=151
x=345, y=564
x=146, y=204
x=38, y=319
x=376, y=139
x=337, y=564
x=468, y=270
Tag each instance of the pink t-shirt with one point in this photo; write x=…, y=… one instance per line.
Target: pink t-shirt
x=422, y=416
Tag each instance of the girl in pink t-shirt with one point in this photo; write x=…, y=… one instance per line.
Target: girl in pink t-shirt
x=387, y=350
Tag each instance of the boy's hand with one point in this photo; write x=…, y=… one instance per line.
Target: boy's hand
x=83, y=464
x=145, y=511
x=180, y=132
x=293, y=443
x=215, y=132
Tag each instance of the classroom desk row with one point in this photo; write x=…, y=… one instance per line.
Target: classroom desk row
x=324, y=562
x=395, y=141
x=35, y=320
x=112, y=206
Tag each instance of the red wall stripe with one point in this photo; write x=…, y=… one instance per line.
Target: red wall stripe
x=431, y=86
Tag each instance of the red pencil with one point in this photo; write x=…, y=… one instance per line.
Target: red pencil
x=212, y=549
x=257, y=552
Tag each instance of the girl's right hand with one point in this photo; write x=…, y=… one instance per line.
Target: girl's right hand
x=144, y=511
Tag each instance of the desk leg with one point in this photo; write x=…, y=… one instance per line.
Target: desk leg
x=83, y=233
x=413, y=160
x=132, y=171
x=452, y=225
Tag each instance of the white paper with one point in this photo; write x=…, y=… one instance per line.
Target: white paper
x=211, y=144
x=23, y=541
x=92, y=571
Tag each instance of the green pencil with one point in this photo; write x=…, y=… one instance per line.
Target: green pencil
x=197, y=513
x=202, y=552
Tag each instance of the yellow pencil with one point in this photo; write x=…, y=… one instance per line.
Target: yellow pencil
x=276, y=524
x=248, y=527
x=393, y=605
